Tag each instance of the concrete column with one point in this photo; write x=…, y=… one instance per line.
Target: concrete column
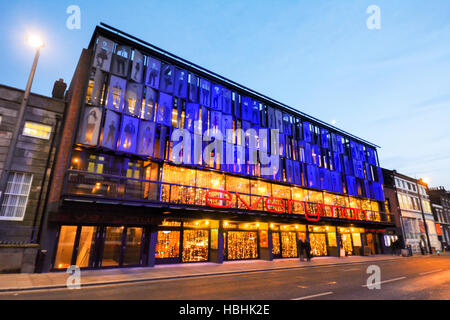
x=48, y=244
x=152, y=247
x=266, y=253
x=362, y=244
x=216, y=255
x=338, y=242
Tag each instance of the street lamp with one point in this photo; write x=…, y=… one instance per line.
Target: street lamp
x=36, y=42
x=422, y=180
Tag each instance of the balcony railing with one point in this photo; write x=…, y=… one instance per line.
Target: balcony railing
x=106, y=186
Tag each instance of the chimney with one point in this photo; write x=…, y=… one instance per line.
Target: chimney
x=59, y=88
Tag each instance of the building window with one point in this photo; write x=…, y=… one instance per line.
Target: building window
x=16, y=196
x=37, y=130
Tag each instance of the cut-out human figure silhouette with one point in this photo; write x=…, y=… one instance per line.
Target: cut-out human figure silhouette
x=148, y=140
x=216, y=97
x=167, y=75
x=181, y=83
x=90, y=126
x=129, y=131
x=154, y=70
x=111, y=133
x=205, y=93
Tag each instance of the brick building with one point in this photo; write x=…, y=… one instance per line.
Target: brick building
x=409, y=203
x=27, y=184
x=440, y=202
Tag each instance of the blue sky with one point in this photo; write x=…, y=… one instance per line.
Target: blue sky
x=389, y=86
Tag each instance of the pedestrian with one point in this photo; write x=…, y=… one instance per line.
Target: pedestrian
x=395, y=246
x=422, y=247
x=307, y=246
x=301, y=247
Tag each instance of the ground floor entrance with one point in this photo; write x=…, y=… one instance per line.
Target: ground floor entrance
x=190, y=241
x=99, y=246
x=241, y=245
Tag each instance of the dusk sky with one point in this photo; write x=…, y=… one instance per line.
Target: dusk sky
x=388, y=86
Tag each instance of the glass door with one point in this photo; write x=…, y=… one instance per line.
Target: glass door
x=133, y=246
x=288, y=244
x=370, y=242
x=66, y=243
x=86, y=246
x=112, y=246
x=318, y=243
x=346, y=240
x=276, y=245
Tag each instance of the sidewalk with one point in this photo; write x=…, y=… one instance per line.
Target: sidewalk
x=54, y=280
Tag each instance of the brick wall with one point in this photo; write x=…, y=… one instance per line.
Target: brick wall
x=30, y=155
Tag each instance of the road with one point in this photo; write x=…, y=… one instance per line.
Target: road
x=408, y=278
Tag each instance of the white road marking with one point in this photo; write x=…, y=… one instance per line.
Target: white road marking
x=314, y=295
x=385, y=281
x=424, y=273
x=352, y=269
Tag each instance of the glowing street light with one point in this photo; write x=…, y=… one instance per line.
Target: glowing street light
x=37, y=43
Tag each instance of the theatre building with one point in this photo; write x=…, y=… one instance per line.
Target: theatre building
x=119, y=198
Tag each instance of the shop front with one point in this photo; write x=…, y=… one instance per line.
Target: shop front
x=190, y=241
x=285, y=239
x=351, y=240
x=100, y=246
x=183, y=241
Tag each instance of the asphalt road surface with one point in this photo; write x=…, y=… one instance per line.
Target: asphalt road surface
x=408, y=278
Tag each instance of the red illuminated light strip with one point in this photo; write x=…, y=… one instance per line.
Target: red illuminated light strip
x=271, y=203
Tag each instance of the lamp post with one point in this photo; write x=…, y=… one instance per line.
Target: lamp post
x=423, y=216
x=35, y=42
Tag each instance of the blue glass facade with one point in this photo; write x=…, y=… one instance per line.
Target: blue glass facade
x=171, y=97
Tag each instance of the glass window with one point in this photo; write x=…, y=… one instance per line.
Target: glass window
x=235, y=184
x=242, y=245
x=112, y=246
x=16, y=196
x=318, y=244
x=332, y=239
x=261, y=188
x=299, y=194
x=179, y=175
x=316, y=197
x=276, y=243
x=168, y=244
x=281, y=191
x=66, y=243
x=195, y=245
x=355, y=203
x=356, y=239
x=37, y=130
x=210, y=180
x=86, y=246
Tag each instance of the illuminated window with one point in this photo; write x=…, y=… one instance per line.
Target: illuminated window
x=37, y=130
x=16, y=196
